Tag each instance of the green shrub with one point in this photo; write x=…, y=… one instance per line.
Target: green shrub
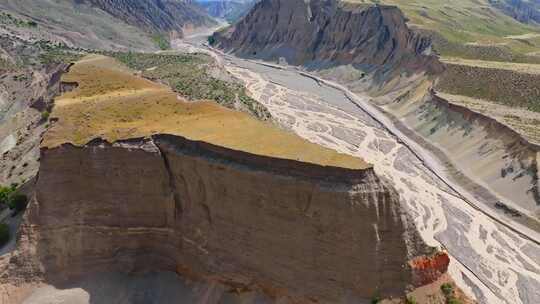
x=453, y=301
x=45, y=115
x=447, y=289
x=376, y=299
x=5, y=194
x=211, y=40
x=18, y=202
x=162, y=42
x=4, y=234
x=410, y=300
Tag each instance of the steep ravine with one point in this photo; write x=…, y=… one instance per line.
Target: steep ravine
x=292, y=230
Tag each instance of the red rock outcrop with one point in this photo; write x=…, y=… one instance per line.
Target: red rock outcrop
x=428, y=269
x=304, y=231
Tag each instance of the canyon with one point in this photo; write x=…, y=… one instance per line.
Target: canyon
x=363, y=175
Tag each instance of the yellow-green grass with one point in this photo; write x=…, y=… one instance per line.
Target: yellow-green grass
x=527, y=68
x=112, y=103
x=467, y=22
x=523, y=121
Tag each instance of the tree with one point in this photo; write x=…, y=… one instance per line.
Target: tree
x=5, y=194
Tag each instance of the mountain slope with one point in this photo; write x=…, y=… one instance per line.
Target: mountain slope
x=527, y=11
x=156, y=15
x=321, y=33
x=472, y=29
x=102, y=24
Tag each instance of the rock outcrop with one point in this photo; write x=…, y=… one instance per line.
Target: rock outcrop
x=323, y=33
x=296, y=230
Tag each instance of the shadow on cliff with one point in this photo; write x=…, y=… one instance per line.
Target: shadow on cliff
x=156, y=287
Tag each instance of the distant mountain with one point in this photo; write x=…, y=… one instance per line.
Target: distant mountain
x=230, y=10
x=526, y=11
x=172, y=16
x=103, y=24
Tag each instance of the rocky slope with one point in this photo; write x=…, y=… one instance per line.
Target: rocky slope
x=102, y=24
x=286, y=228
x=324, y=33
x=527, y=11
x=26, y=95
x=169, y=16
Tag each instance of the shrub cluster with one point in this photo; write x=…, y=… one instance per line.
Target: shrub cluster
x=11, y=198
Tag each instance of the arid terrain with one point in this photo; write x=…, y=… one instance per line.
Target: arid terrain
x=272, y=151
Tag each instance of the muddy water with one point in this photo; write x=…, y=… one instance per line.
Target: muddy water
x=489, y=261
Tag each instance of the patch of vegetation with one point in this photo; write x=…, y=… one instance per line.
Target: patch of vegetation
x=10, y=197
x=45, y=115
x=189, y=75
x=376, y=299
x=5, y=194
x=410, y=300
x=4, y=234
x=211, y=40
x=161, y=41
x=467, y=28
x=57, y=53
x=9, y=19
x=449, y=293
x=519, y=89
x=447, y=289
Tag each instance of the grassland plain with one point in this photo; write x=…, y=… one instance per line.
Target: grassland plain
x=515, y=85
x=113, y=104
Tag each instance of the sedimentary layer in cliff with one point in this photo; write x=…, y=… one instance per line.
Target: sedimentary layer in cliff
x=286, y=228
x=322, y=33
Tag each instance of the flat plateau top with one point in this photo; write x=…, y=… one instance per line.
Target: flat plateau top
x=112, y=103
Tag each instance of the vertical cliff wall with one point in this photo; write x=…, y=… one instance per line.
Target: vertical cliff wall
x=287, y=228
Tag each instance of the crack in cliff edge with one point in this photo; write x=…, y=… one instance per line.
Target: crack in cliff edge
x=172, y=181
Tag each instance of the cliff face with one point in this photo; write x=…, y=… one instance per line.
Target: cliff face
x=292, y=229
x=320, y=33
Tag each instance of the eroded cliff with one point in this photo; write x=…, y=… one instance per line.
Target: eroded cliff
x=153, y=183
x=290, y=229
